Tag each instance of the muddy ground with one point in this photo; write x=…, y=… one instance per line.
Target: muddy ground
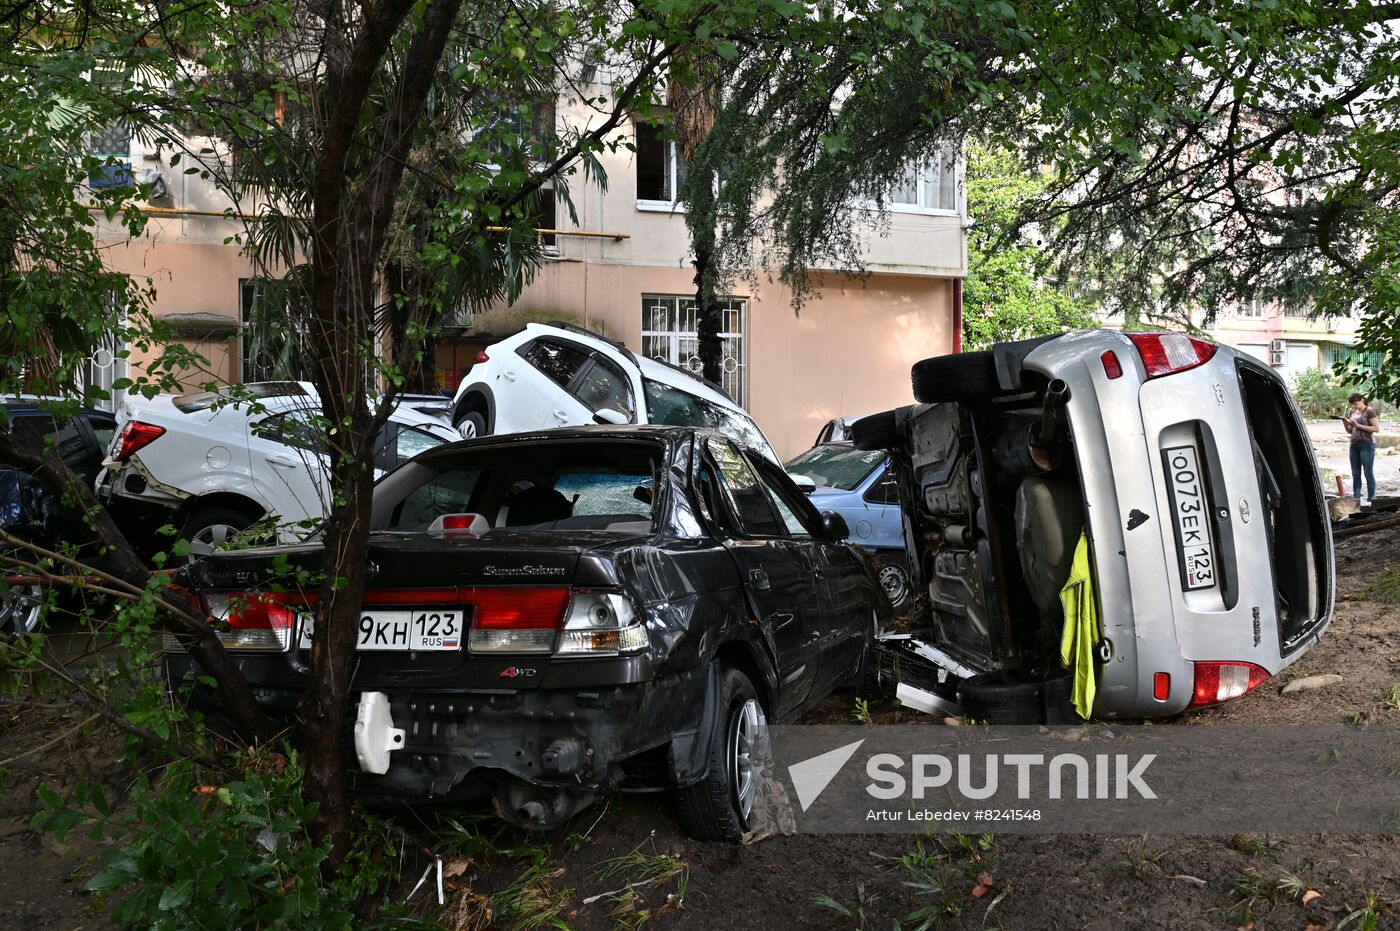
x=632, y=861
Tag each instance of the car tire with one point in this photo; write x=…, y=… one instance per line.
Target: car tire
x=894, y=579
x=206, y=528
x=878, y=431
x=964, y=376
x=472, y=425
x=990, y=699
x=717, y=808
x=21, y=606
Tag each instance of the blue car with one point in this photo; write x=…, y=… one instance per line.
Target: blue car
x=858, y=485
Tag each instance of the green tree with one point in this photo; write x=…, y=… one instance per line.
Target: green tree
x=389, y=155
x=1194, y=154
x=1004, y=294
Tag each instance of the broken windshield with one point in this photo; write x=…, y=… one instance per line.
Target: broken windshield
x=843, y=467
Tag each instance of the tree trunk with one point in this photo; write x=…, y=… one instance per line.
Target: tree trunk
x=708, y=317
x=325, y=706
x=350, y=219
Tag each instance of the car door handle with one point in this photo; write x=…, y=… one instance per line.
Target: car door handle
x=759, y=578
x=561, y=416
x=283, y=462
x=508, y=376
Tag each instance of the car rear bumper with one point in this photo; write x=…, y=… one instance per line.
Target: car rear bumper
x=1151, y=622
x=461, y=743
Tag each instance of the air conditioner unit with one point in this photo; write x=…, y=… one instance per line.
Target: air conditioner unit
x=1278, y=345
x=1277, y=357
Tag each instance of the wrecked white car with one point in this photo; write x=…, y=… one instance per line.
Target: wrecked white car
x=1106, y=524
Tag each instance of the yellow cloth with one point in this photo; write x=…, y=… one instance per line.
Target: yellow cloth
x=1081, y=628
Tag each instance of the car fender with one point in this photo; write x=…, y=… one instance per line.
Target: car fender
x=469, y=393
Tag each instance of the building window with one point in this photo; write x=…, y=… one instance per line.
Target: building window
x=512, y=129
x=931, y=185
x=1293, y=309
x=669, y=334
x=660, y=168
x=108, y=361
x=269, y=348
x=110, y=142
x=1253, y=308
x=546, y=217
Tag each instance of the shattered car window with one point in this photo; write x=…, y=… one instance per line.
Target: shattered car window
x=606, y=493
x=446, y=492
x=571, y=485
x=672, y=406
x=843, y=467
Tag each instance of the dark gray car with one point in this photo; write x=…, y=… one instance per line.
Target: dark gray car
x=559, y=615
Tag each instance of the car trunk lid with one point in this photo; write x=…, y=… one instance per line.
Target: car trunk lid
x=423, y=586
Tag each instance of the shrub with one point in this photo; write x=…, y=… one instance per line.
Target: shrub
x=1320, y=396
x=230, y=856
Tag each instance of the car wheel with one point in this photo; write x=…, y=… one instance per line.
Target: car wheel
x=21, y=606
x=964, y=376
x=894, y=579
x=990, y=699
x=472, y=425
x=878, y=431
x=209, y=528
x=718, y=807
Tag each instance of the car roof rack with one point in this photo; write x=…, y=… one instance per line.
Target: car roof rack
x=584, y=331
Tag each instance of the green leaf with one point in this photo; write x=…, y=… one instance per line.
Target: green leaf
x=176, y=895
x=108, y=879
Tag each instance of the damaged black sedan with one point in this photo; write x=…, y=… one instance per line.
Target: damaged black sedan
x=555, y=616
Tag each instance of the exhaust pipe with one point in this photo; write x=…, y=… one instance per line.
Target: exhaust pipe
x=537, y=808
x=1052, y=414
x=1034, y=446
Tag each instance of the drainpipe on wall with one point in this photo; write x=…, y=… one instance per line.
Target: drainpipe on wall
x=957, y=314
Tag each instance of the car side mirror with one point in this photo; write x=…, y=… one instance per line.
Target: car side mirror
x=834, y=526
x=608, y=415
x=803, y=482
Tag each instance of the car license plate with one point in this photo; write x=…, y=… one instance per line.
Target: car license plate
x=1191, y=513
x=406, y=631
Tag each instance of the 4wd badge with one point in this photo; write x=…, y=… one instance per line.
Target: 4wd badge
x=517, y=672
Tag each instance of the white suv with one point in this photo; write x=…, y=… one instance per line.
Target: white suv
x=212, y=467
x=559, y=375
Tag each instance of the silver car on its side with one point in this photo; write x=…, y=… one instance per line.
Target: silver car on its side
x=1186, y=467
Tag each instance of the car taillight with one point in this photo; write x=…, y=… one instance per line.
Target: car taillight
x=515, y=620
x=135, y=436
x=1218, y=682
x=553, y=620
x=600, y=623
x=481, y=356
x=254, y=621
x=1169, y=353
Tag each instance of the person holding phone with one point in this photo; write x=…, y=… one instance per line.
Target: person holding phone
x=1363, y=423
